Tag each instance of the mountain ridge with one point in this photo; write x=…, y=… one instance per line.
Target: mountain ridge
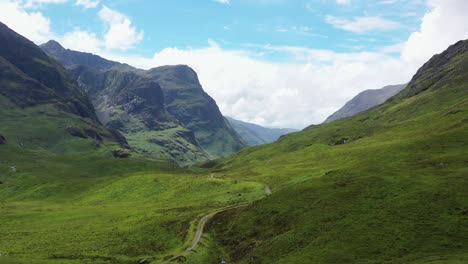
x=183, y=111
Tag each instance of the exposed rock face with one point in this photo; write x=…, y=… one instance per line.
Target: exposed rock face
x=120, y=154
x=119, y=138
x=439, y=71
x=93, y=134
x=196, y=110
x=3, y=140
x=140, y=103
x=364, y=101
x=75, y=132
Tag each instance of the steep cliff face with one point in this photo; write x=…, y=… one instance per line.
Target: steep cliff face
x=196, y=110
x=163, y=111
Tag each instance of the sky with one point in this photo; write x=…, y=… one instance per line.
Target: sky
x=277, y=63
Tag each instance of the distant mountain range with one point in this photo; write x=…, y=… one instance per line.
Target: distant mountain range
x=253, y=134
x=163, y=111
x=364, y=101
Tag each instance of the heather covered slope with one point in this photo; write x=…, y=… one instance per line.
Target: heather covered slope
x=364, y=101
x=385, y=186
x=182, y=122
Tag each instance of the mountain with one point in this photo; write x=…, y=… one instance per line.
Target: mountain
x=196, y=110
x=41, y=104
x=385, y=186
x=364, y=101
x=163, y=111
x=254, y=134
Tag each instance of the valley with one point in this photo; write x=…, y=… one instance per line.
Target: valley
x=102, y=162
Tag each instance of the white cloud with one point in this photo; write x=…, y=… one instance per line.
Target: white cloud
x=33, y=25
x=87, y=3
x=82, y=40
x=388, y=2
x=121, y=34
x=363, y=24
x=441, y=27
x=343, y=2
x=35, y=3
x=225, y=2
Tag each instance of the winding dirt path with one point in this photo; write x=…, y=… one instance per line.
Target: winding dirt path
x=202, y=223
x=200, y=227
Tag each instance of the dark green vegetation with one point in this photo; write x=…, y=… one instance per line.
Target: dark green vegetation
x=256, y=135
x=163, y=111
x=385, y=186
x=364, y=101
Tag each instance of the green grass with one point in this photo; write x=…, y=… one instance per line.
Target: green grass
x=71, y=201
x=175, y=147
x=104, y=210
x=395, y=192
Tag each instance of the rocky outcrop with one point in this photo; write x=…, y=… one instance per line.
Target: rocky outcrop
x=93, y=134
x=118, y=153
x=3, y=140
x=75, y=132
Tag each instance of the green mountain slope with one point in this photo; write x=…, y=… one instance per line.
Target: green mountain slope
x=134, y=105
x=180, y=121
x=385, y=186
x=42, y=107
x=254, y=134
x=364, y=101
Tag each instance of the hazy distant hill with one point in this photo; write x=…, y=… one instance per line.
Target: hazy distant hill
x=364, y=101
x=253, y=134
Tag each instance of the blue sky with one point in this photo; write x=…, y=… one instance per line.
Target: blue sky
x=278, y=63
x=240, y=23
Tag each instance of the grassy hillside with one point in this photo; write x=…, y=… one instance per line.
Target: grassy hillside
x=386, y=186
x=93, y=208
